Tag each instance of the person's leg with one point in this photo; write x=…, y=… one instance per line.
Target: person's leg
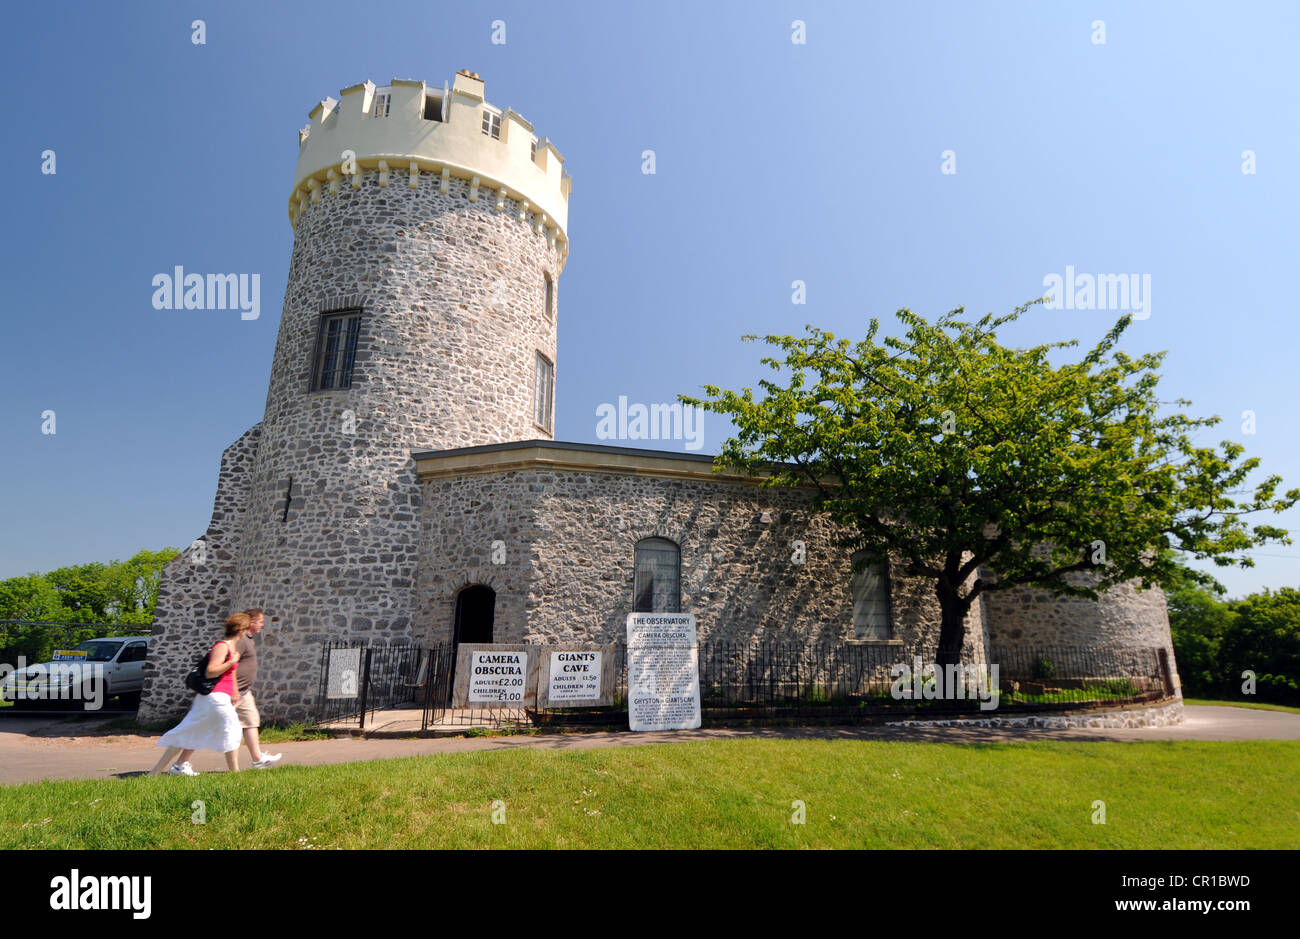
x=185, y=756
x=168, y=756
x=232, y=760
x=251, y=741
x=249, y=721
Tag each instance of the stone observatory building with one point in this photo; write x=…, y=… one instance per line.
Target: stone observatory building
x=404, y=486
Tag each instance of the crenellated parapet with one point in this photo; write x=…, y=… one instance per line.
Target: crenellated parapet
x=413, y=134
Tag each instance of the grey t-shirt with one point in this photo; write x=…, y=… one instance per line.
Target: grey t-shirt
x=247, y=671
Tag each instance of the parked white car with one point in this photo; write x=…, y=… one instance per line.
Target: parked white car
x=84, y=676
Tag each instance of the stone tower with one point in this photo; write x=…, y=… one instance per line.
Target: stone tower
x=420, y=314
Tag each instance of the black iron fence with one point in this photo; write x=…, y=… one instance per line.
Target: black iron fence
x=770, y=681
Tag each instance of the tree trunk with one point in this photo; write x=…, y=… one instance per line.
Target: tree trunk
x=952, y=631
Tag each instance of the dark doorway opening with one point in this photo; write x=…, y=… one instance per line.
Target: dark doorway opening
x=475, y=611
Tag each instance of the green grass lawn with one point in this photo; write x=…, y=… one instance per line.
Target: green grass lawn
x=1257, y=705
x=715, y=794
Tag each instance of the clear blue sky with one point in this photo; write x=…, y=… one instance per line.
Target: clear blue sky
x=775, y=162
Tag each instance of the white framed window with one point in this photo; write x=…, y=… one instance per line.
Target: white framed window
x=492, y=124
x=532, y=153
x=870, y=586
x=380, y=108
x=543, y=391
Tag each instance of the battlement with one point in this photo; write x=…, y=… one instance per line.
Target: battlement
x=415, y=129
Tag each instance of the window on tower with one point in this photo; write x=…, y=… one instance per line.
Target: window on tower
x=336, y=350
x=543, y=392
x=381, y=105
x=550, y=296
x=433, y=107
x=492, y=124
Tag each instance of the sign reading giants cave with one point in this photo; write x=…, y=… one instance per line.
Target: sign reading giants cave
x=663, y=672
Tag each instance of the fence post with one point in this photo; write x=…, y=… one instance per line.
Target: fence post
x=365, y=686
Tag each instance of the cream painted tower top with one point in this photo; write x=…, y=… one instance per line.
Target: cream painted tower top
x=411, y=129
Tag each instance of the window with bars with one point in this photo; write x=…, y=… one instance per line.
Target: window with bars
x=657, y=582
x=870, y=586
x=543, y=391
x=492, y=124
x=336, y=350
x=381, y=105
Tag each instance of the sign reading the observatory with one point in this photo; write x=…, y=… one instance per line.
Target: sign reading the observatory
x=663, y=672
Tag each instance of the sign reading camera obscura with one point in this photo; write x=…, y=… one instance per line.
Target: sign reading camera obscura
x=496, y=676
x=663, y=672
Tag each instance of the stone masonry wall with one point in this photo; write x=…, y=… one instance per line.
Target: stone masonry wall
x=194, y=597
x=452, y=294
x=570, y=539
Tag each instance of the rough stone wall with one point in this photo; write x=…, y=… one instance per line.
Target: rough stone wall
x=1125, y=617
x=194, y=597
x=570, y=538
x=452, y=294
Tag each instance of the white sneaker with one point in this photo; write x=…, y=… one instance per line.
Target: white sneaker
x=182, y=769
x=267, y=760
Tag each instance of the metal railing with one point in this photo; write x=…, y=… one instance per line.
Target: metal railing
x=772, y=681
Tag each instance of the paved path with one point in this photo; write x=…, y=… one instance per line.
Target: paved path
x=35, y=748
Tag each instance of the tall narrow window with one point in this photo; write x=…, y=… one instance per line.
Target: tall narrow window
x=657, y=582
x=492, y=124
x=870, y=585
x=336, y=350
x=543, y=392
x=433, y=107
x=532, y=153
x=550, y=296
x=380, y=108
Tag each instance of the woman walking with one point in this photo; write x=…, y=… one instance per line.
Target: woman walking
x=212, y=723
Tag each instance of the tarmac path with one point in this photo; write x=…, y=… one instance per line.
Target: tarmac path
x=38, y=748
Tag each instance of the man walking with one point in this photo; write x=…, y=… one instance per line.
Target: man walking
x=246, y=708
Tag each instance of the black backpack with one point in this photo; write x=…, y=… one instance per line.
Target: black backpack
x=198, y=680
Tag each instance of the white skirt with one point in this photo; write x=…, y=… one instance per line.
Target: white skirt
x=211, y=724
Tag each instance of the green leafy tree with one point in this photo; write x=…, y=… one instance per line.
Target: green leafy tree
x=1265, y=639
x=119, y=593
x=955, y=454
x=1199, y=618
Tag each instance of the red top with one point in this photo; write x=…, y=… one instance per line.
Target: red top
x=218, y=654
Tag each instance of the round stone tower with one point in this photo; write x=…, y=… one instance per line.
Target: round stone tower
x=420, y=314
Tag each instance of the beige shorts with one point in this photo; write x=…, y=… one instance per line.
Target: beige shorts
x=247, y=711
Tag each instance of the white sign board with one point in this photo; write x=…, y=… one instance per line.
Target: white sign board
x=342, y=677
x=574, y=676
x=663, y=672
x=497, y=677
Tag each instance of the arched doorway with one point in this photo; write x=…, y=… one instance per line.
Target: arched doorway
x=475, y=610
